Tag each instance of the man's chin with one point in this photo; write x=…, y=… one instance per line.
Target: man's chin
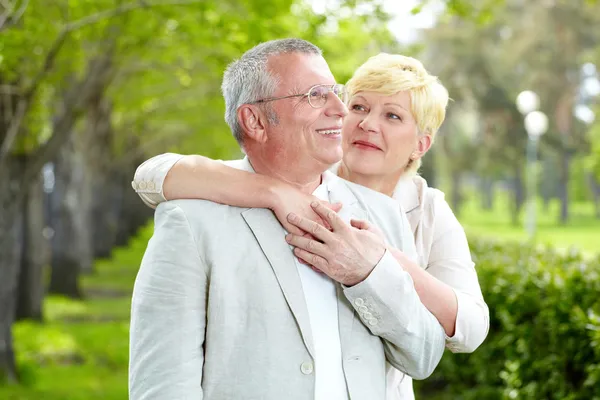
x=330, y=159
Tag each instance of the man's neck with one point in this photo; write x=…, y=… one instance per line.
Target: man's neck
x=306, y=179
x=381, y=183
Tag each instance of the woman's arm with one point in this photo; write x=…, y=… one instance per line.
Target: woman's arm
x=449, y=287
x=450, y=263
x=437, y=296
x=198, y=177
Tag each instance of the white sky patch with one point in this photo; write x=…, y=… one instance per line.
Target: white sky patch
x=404, y=25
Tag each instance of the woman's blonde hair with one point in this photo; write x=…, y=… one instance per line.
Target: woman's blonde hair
x=389, y=74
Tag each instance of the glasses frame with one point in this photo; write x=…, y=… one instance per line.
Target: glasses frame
x=307, y=95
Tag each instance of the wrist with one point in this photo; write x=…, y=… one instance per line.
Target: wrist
x=273, y=191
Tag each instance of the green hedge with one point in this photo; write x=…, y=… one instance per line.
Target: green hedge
x=544, y=339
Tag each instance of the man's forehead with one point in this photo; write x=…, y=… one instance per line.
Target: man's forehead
x=301, y=71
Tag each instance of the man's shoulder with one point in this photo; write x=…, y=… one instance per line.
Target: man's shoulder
x=199, y=210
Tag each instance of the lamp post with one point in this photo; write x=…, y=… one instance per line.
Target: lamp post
x=536, y=124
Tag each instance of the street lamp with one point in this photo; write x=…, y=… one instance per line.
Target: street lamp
x=536, y=124
x=527, y=101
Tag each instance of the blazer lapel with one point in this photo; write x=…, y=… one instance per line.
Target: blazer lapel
x=270, y=236
x=339, y=192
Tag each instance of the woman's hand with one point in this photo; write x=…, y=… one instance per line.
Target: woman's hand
x=287, y=199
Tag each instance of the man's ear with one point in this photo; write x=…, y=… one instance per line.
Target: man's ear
x=253, y=122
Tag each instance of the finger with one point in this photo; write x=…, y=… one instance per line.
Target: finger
x=314, y=260
x=335, y=206
x=307, y=244
x=360, y=224
x=318, y=231
x=329, y=216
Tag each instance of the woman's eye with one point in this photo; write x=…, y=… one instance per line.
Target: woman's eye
x=358, y=107
x=394, y=116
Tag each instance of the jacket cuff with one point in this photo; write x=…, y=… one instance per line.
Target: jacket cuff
x=370, y=298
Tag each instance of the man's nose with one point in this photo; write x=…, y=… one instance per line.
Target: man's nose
x=335, y=106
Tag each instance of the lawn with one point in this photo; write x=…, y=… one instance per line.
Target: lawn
x=81, y=352
x=582, y=232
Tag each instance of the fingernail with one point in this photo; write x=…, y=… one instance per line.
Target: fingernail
x=314, y=204
x=288, y=238
x=292, y=217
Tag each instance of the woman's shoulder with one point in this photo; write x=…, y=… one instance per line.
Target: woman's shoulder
x=414, y=191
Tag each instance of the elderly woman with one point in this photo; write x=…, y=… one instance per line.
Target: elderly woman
x=395, y=110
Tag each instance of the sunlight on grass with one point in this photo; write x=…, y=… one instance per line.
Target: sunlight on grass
x=581, y=232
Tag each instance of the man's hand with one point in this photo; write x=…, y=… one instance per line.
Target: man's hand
x=346, y=253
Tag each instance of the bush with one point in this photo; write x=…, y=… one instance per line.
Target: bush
x=544, y=339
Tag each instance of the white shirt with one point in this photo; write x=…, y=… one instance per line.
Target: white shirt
x=321, y=302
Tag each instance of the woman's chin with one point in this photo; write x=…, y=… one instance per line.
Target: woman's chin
x=363, y=166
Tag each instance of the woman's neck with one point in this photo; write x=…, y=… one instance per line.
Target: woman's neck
x=382, y=183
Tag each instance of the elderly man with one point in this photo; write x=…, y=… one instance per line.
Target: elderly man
x=221, y=307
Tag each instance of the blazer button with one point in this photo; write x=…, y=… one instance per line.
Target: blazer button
x=142, y=185
x=373, y=322
x=150, y=185
x=368, y=316
x=306, y=368
x=363, y=309
x=359, y=302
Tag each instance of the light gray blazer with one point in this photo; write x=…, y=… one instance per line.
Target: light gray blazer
x=218, y=310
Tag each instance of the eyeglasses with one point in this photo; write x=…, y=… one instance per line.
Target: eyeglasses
x=317, y=95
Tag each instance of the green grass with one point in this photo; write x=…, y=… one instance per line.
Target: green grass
x=582, y=232
x=81, y=351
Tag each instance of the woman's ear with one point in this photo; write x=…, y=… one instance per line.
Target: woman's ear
x=423, y=145
x=253, y=122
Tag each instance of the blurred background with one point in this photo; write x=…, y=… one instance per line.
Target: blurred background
x=90, y=89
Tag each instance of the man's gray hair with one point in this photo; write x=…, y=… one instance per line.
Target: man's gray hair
x=248, y=79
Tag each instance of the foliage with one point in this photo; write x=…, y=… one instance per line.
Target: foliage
x=544, y=323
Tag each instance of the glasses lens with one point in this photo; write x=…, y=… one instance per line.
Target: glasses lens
x=318, y=96
x=340, y=91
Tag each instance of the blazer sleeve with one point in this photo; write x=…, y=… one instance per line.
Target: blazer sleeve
x=168, y=313
x=149, y=178
x=389, y=306
x=450, y=262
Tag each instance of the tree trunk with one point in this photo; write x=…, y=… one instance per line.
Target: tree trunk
x=595, y=189
x=105, y=194
x=427, y=170
x=519, y=197
x=456, y=198
x=563, y=186
x=10, y=245
x=486, y=193
x=70, y=204
x=35, y=256
x=133, y=212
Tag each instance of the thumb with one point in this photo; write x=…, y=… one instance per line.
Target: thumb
x=359, y=224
